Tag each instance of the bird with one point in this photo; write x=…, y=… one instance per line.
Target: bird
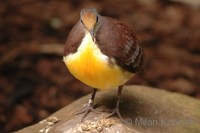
x=103, y=53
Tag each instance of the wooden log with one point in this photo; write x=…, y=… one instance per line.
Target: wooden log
x=144, y=110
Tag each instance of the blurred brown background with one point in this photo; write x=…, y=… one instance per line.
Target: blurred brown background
x=34, y=81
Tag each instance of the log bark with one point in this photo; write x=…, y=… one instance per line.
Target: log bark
x=144, y=110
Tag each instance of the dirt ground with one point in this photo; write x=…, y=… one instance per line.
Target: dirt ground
x=34, y=81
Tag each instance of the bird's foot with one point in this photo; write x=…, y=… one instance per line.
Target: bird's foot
x=89, y=108
x=115, y=112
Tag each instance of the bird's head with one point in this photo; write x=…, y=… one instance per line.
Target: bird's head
x=89, y=17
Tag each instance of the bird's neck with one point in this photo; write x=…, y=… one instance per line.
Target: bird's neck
x=88, y=46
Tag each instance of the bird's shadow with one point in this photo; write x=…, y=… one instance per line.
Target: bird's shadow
x=130, y=107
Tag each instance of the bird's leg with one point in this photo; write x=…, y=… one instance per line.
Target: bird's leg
x=116, y=109
x=89, y=107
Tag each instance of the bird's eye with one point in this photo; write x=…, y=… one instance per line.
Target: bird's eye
x=97, y=19
x=81, y=21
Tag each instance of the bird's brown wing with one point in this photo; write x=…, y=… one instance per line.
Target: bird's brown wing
x=74, y=39
x=118, y=41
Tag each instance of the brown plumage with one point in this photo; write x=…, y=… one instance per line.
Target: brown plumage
x=117, y=40
x=74, y=39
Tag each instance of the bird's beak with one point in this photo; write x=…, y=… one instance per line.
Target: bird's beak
x=92, y=34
